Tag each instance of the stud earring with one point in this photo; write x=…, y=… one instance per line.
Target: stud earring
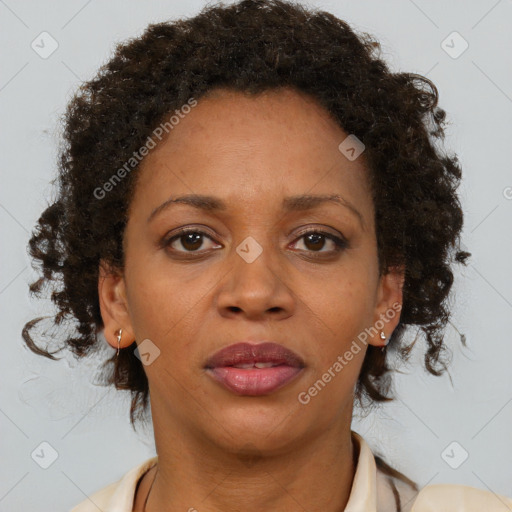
x=119, y=334
x=383, y=337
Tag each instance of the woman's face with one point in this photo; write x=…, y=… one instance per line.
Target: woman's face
x=193, y=295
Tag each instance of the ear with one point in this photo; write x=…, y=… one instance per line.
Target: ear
x=114, y=306
x=389, y=305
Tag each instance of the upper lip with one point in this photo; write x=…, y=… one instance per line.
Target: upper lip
x=247, y=353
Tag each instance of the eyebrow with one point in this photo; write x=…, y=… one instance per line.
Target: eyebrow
x=293, y=203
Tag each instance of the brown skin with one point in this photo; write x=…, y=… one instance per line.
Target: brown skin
x=251, y=152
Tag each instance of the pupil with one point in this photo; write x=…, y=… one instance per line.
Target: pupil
x=316, y=238
x=193, y=239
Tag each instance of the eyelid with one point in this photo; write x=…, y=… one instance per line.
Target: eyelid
x=320, y=229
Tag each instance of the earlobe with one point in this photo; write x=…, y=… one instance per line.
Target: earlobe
x=114, y=306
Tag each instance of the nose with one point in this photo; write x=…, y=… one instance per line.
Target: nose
x=257, y=289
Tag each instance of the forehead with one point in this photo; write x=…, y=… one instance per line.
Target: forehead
x=254, y=147
x=225, y=117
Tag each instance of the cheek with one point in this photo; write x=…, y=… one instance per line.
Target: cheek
x=344, y=304
x=156, y=299
x=168, y=307
x=340, y=311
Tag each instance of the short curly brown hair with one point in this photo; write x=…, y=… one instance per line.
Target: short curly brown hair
x=252, y=46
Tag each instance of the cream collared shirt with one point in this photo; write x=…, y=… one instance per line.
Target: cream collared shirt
x=372, y=491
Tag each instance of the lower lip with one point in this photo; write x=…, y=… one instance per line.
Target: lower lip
x=254, y=381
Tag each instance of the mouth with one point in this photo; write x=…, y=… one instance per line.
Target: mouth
x=254, y=370
x=247, y=355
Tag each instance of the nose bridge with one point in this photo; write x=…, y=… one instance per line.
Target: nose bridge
x=254, y=284
x=255, y=264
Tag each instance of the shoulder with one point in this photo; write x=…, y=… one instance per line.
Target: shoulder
x=451, y=497
x=117, y=496
x=397, y=492
x=98, y=500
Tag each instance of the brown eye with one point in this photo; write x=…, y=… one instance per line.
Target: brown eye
x=191, y=240
x=315, y=241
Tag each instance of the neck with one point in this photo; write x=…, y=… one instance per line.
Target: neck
x=314, y=474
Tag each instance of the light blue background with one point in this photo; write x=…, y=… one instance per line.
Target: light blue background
x=87, y=425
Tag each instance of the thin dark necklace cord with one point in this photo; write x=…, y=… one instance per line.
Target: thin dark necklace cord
x=149, y=492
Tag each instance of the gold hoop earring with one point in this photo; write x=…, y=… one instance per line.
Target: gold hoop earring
x=119, y=335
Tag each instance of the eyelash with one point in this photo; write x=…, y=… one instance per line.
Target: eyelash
x=340, y=243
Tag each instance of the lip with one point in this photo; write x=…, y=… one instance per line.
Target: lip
x=250, y=353
x=254, y=381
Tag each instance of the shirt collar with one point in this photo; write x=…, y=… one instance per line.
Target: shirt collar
x=363, y=495
x=123, y=497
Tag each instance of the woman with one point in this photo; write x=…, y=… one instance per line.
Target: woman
x=251, y=211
